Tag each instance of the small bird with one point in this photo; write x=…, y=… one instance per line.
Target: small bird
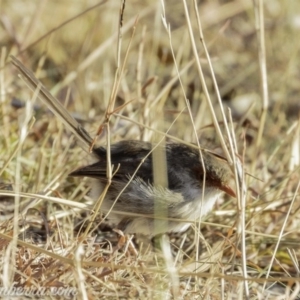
x=134, y=200
x=186, y=196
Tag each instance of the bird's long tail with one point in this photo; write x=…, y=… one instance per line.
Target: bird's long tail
x=54, y=105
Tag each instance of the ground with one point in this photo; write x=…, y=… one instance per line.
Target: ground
x=134, y=76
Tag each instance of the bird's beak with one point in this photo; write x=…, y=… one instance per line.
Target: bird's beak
x=228, y=190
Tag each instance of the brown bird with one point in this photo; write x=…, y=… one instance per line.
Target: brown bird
x=182, y=198
x=192, y=188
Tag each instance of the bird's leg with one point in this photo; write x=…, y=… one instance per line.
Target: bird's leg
x=125, y=240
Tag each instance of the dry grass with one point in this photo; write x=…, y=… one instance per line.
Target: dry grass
x=93, y=71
